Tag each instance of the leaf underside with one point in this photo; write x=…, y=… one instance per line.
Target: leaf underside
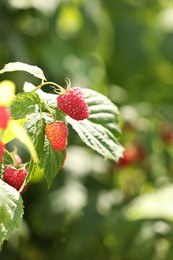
x=20, y=66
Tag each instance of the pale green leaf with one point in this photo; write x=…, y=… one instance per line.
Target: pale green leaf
x=20, y=66
x=11, y=210
x=98, y=138
x=7, y=91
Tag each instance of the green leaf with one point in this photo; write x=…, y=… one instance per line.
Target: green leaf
x=24, y=104
x=102, y=110
x=20, y=66
x=51, y=162
x=36, y=130
x=101, y=130
x=11, y=210
x=98, y=138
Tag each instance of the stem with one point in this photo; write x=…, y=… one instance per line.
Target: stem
x=23, y=185
x=62, y=90
x=50, y=111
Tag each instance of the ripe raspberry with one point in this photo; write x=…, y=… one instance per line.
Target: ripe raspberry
x=57, y=134
x=73, y=103
x=15, y=177
x=4, y=117
x=1, y=151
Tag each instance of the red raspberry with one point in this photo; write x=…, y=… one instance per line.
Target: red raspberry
x=4, y=117
x=15, y=177
x=57, y=134
x=73, y=103
x=1, y=151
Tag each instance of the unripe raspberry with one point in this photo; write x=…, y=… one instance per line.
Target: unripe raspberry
x=73, y=103
x=4, y=117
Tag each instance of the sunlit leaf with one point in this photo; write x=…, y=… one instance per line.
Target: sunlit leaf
x=24, y=104
x=20, y=66
x=11, y=210
x=7, y=91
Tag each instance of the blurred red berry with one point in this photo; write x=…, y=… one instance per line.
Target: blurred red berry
x=167, y=135
x=4, y=117
x=132, y=154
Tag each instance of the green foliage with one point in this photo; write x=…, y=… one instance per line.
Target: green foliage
x=11, y=210
x=25, y=104
x=122, y=49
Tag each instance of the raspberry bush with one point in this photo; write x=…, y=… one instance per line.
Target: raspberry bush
x=40, y=121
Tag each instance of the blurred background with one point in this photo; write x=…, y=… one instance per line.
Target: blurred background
x=97, y=209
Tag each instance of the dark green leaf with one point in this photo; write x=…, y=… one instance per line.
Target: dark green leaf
x=51, y=162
